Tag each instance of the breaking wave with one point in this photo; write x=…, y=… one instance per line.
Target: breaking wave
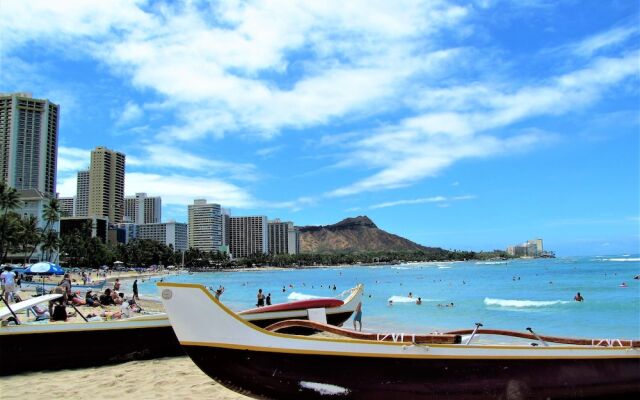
x=294, y=296
x=522, y=303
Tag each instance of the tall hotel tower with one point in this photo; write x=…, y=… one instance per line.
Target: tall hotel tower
x=82, y=195
x=28, y=142
x=206, y=226
x=106, y=184
x=248, y=235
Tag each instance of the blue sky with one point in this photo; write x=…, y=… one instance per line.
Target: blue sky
x=464, y=125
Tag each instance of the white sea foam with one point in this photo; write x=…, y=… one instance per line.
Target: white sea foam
x=490, y=262
x=404, y=299
x=444, y=267
x=324, y=388
x=294, y=296
x=522, y=303
x=622, y=259
x=400, y=268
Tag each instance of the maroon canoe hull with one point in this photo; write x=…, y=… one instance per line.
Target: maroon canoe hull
x=296, y=305
x=292, y=376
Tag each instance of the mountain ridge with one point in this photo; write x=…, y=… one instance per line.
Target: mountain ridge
x=352, y=235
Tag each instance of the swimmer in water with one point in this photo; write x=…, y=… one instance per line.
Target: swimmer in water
x=578, y=297
x=410, y=295
x=419, y=301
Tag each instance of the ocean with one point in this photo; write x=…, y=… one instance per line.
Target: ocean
x=514, y=295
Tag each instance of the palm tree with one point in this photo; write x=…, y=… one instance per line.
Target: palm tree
x=9, y=199
x=50, y=244
x=30, y=236
x=51, y=214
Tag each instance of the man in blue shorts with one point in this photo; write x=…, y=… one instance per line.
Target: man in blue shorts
x=358, y=316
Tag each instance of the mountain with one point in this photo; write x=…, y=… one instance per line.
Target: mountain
x=352, y=235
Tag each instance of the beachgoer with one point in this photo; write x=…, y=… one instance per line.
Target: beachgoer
x=219, y=292
x=410, y=295
x=269, y=299
x=419, y=301
x=135, y=290
x=390, y=302
x=260, y=297
x=116, y=285
x=106, y=299
x=8, y=283
x=358, y=316
x=90, y=299
x=578, y=297
x=60, y=311
x=65, y=283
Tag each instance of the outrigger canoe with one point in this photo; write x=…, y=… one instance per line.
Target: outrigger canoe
x=266, y=364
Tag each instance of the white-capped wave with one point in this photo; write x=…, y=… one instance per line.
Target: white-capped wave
x=522, y=303
x=404, y=299
x=490, y=262
x=444, y=267
x=400, y=268
x=622, y=259
x=294, y=296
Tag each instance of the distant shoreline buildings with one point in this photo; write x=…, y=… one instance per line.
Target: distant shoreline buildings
x=530, y=249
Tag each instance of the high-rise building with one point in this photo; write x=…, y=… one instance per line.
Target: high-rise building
x=141, y=209
x=248, y=235
x=206, y=228
x=66, y=206
x=106, y=184
x=282, y=237
x=28, y=142
x=130, y=230
x=82, y=194
x=170, y=233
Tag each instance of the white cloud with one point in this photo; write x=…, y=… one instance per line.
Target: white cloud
x=612, y=37
x=131, y=113
x=72, y=159
x=208, y=62
x=171, y=157
x=181, y=189
x=442, y=201
x=424, y=145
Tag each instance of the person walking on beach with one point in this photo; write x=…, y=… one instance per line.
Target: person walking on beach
x=358, y=316
x=260, y=298
x=8, y=283
x=135, y=290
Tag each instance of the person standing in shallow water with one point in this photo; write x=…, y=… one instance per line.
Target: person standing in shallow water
x=358, y=316
x=269, y=299
x=260, y=298
x=578, y=297
x=135, y=290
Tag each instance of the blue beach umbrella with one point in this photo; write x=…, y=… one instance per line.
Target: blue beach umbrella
x=44, y=268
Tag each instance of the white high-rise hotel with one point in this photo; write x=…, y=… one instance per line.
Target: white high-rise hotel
x=141, y=209
x=206, y=226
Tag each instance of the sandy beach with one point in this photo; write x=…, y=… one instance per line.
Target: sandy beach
x=165, y=378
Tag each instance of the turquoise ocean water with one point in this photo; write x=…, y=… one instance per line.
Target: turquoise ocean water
x=534, y=293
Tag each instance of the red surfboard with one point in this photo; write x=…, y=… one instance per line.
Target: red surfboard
x=296, y=305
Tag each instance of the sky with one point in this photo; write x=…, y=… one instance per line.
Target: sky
x=463, y=125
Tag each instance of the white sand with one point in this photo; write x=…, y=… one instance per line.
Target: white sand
x=164, y=378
